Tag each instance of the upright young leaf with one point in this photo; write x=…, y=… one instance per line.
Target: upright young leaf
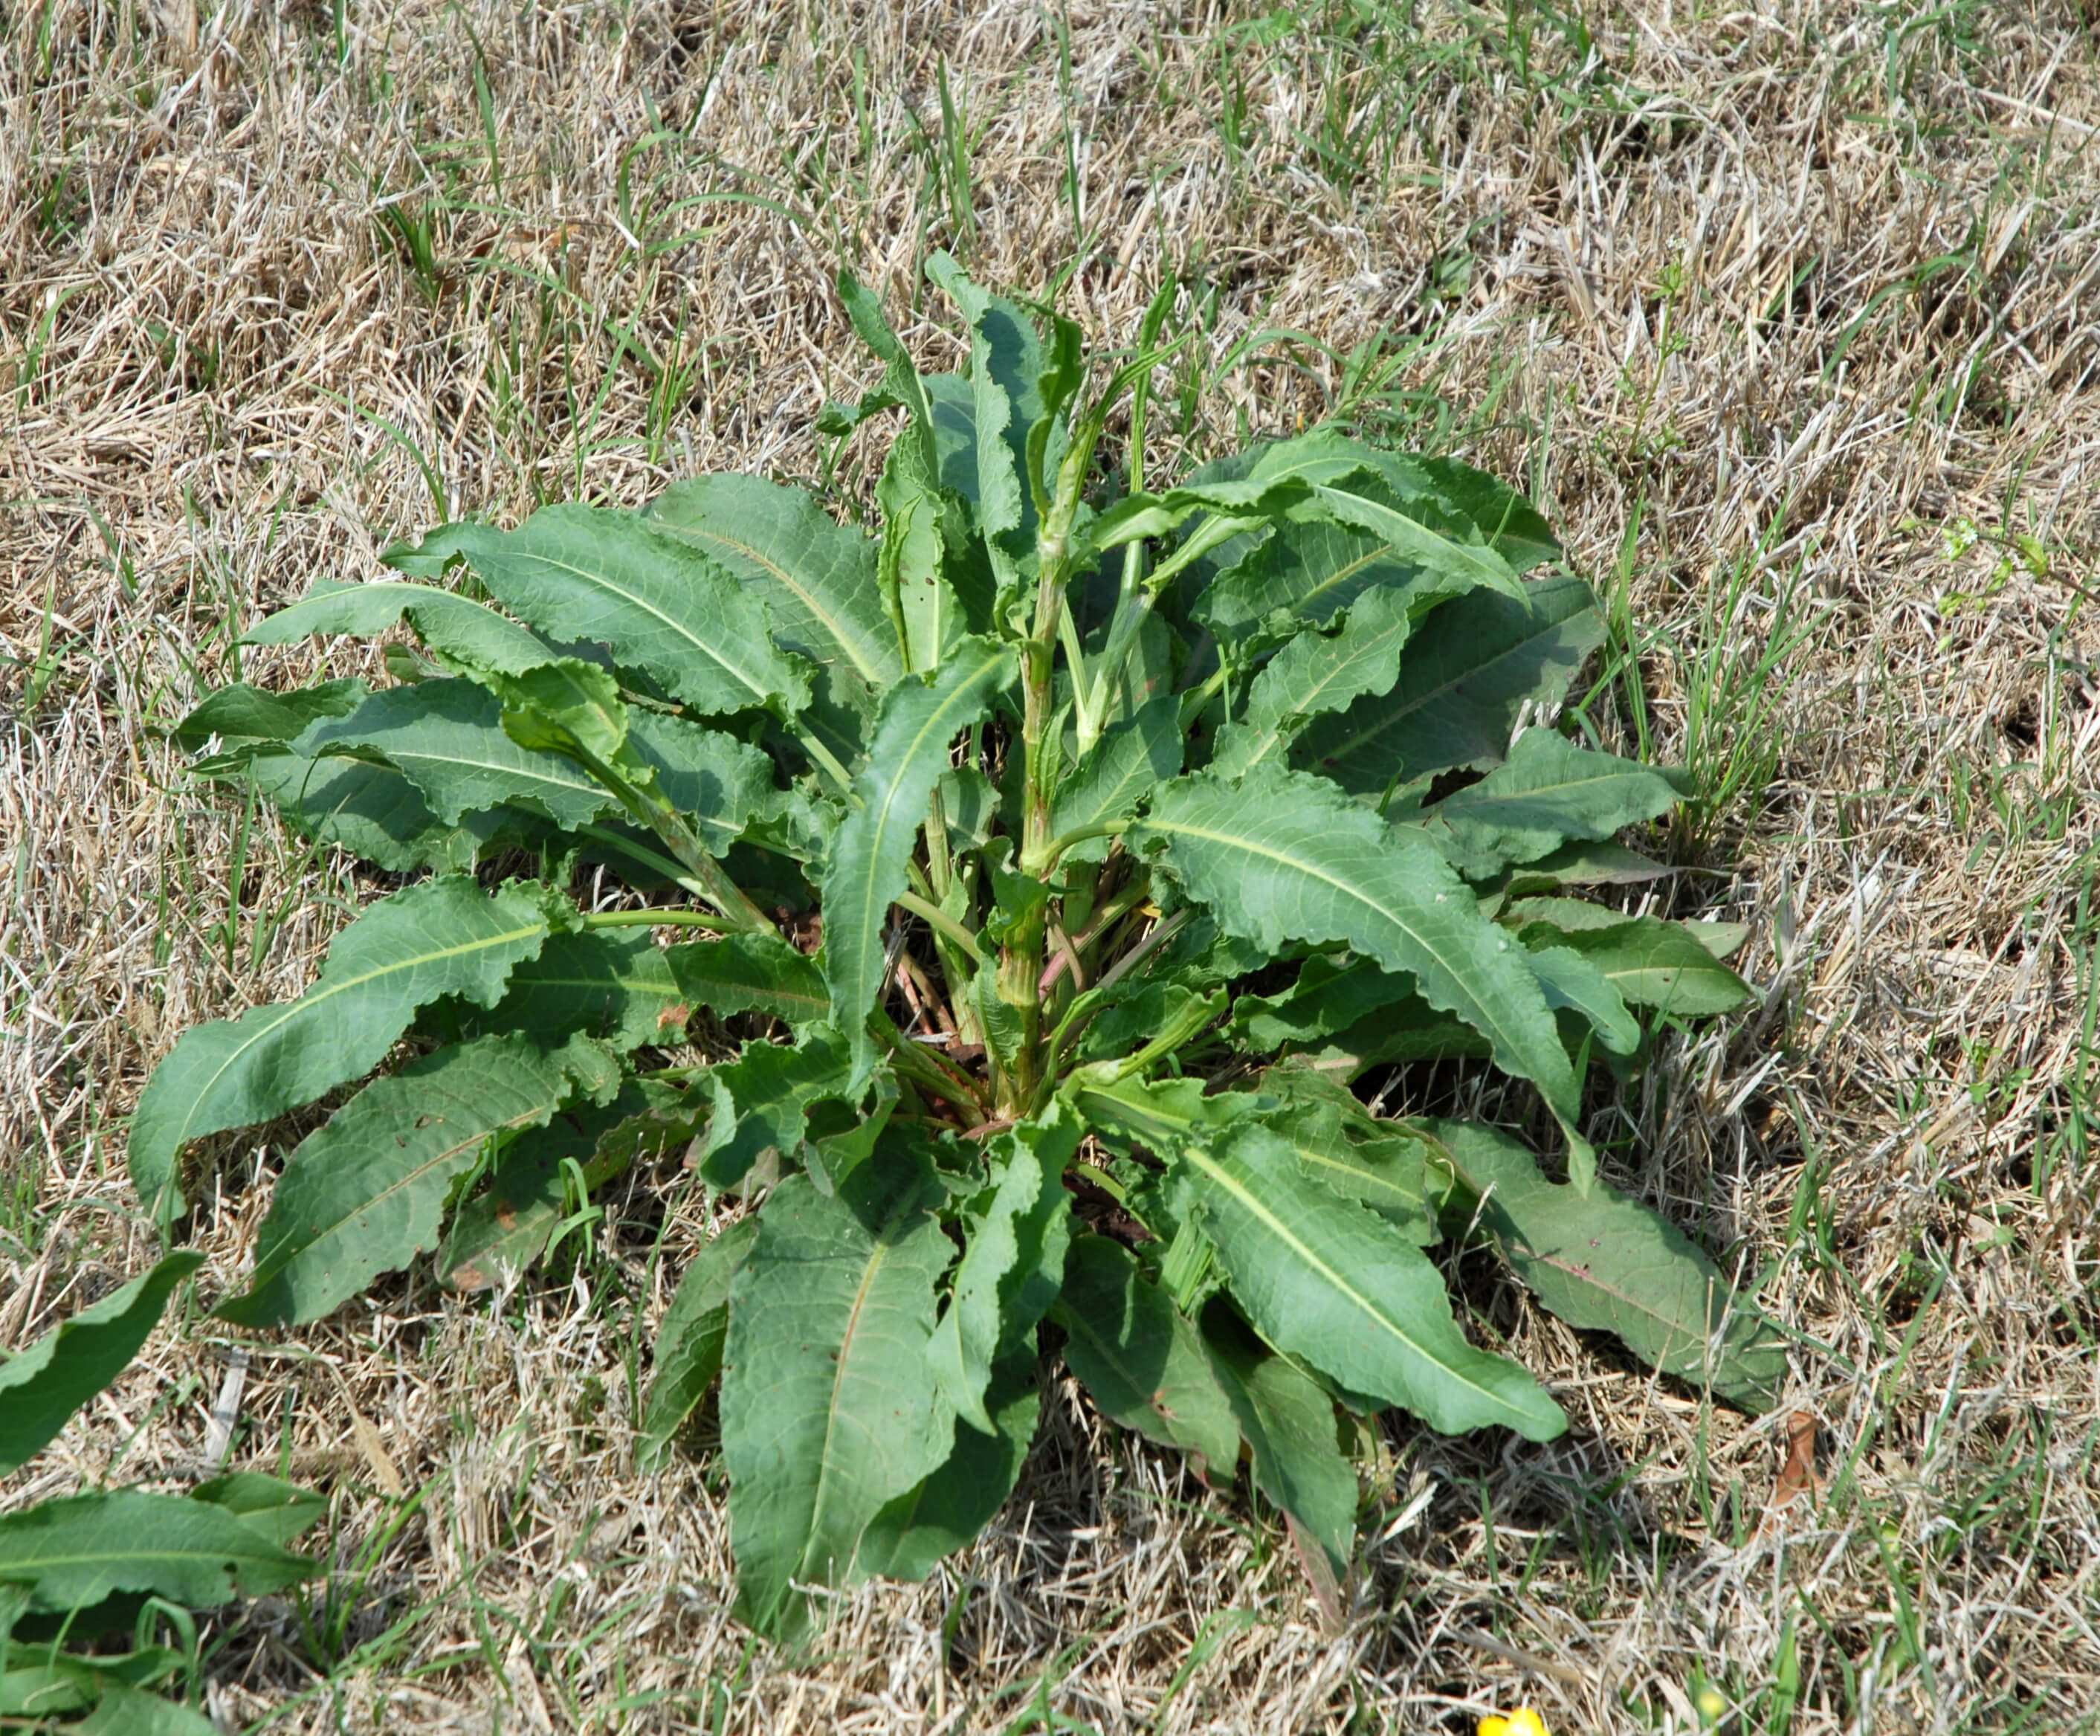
x=1548, y=790
x=468, y=635
x=1133, y=758
x=448, y=738
x=1281, y=856
x=1323, y=1278
x=73, y=1553
x=364, y=1194
x=657, y=602
x=816, y=576
x=1291, y=1426
x=1606, y=1261
x=443, y=937
x=1469, y=668
x=827, y=1413
x=869, y=855
x=1006, y=362
x=43, y=1385
x=1141, y=1359
x=689, y=1343
x=1013, y=1260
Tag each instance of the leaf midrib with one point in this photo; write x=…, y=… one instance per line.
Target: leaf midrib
x=850, y=644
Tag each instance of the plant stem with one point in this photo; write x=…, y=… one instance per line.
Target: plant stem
x=938, y=920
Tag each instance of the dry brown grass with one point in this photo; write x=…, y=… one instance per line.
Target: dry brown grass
x=1793, y=292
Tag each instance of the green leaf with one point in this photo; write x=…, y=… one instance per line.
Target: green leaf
x=1126, y=765
x=43, y=1385
x=364, y=1194
x=1414, y=534
x=614, y=984
x=1571, y=981
x=374, y=812
x=72, y=1552
x=750, y=974
x=1547, y=791
x=1604, y=1261
x=689, y=1343
x=1473, y=664
x=762, y=1101
x=1322, y=1279
x=817, y=576
x=1651, y=963
x=468, y=635
x=867, y=870
x=827, y=1411
x=1291, y=1424
x=1510, y=523
x=1317, y=673
x=280, y=1511
x=129, y=1711
x=1306, y=572
x=1015, y=1234
x=40, y=1682
x=241, y=713
x=443, y=937
x=952, y=1504
x=1331, y=994
x=1381, y=1165
x=656, y=601
x=1141, y=1359
x=447, y=737
x=1282, y=856
x=1006, y=361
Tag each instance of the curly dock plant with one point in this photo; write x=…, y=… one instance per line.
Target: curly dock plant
x=1062, y=777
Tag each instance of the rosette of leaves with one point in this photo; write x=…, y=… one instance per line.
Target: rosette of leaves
x=78, y=1568
x=1059, y=772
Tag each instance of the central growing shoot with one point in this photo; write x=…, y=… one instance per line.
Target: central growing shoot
x=995, y=913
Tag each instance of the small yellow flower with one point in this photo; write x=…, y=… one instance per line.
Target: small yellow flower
x=1711, y=1703
x=1524, y=1721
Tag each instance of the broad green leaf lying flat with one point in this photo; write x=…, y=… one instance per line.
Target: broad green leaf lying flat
x=1649, y=962
x=443, y=937
x=907, y=756
x=1281, y=856
x=43, y=1385
x=1290, y=1425
x=1324, y=1279
x=689, y=1343
x=1470, y=666
x=73, y=1553
x=1141, y=1360
x=364, y=1194
x=827, y=1414
x=469, y=635
x=374, y=811
x=1548, y=790
x=281, y=1511
x=1611, y=1262
x=658, y=602
x=241, y=713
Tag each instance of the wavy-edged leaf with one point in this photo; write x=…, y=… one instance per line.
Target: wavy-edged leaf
x=750, y=974
x=1282, y=856
x=816, y=576
x=1130, y=760
x=720, y=784
x=1006, y=364
x=241, y=713
x=655, y=600
x=73, y=1553
x=1416, y=535
x=1471, y=667
x=1651, y=963
x=1324, y=1279
x=43, y=1385
x=762, y=1101
x=1331, y=994
x=1381, y=1164
x=950, y=1505
x=40, y=1682
x=468, y=635
x=1595, y=863
x=1307, y=573
x=866, y=869
x=689, y=1343
x=374, y=811
x=443, y=937
x=282, y=1512
x=1290, y=1425
x=1571, y=981
x=1015, y=1234
x=1318, y=672
x=1547, y=791
x=364, y=1194
x=827, y=1412
x=1511, y=524
x=1141, y=1359
x=126, y=1710
x=1605, y=1262
x=447, y=737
